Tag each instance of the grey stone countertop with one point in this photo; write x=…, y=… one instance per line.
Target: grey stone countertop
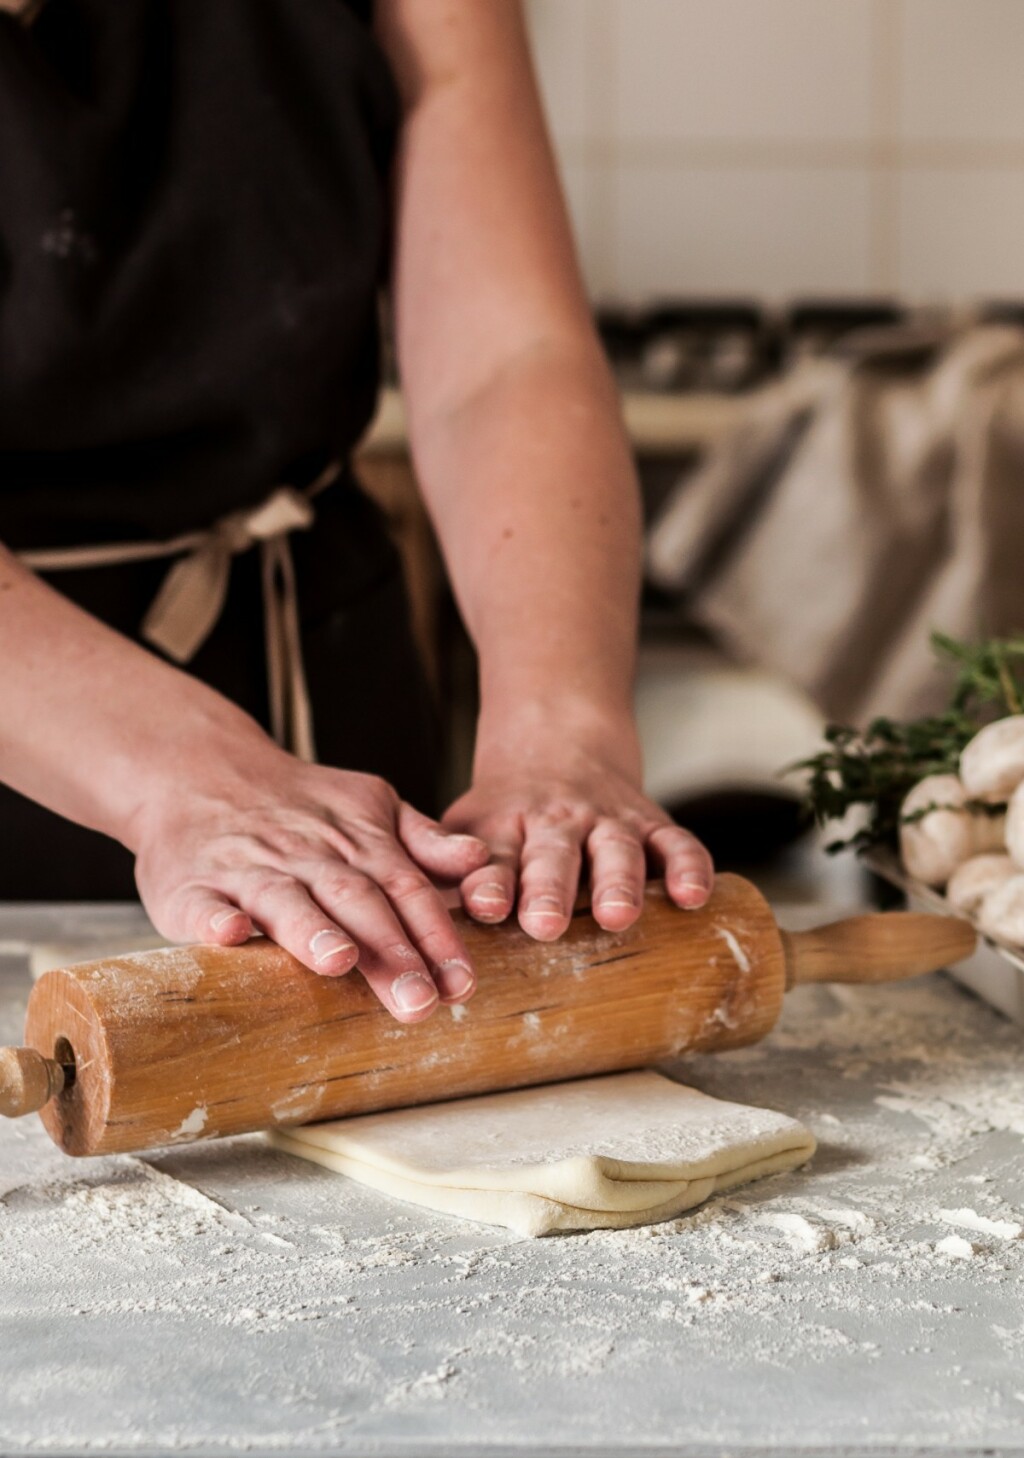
x=227, y=1298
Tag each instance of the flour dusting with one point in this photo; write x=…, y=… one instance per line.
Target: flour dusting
x=334, y=1318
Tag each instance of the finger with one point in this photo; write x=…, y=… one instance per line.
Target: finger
x=549, y=876
x=206, y=916
x=689, y=872
x=432, y=931
x=445, y=853
x=617, y=873
x=390, y=963
x=284, y=910
x=490, y=893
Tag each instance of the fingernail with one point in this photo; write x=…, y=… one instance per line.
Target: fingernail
x=696, y=892
x=694, y=883
x=544, y=906
x=327, y=945
x=490, y=894
x=455, y=979
x=413, y=992
x=617, y=899
x=223, y=917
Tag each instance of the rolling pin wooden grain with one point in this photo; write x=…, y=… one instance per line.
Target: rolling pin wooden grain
x=186, y=1043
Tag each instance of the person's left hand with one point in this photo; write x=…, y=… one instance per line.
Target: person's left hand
x=549, y=813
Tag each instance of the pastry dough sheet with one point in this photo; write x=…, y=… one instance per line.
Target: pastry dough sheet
x=598, y=1153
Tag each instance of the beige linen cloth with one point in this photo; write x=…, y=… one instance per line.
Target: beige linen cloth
x=865, y=500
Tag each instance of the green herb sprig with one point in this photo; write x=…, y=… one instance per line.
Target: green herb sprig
x=876, y=767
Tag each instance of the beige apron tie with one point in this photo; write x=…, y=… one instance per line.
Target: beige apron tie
x=192, y=596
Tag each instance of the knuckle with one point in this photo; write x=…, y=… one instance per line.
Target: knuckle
x=400, y=952
x=552, y=847
x=286, y=844
x=340, y=843
x=379, y=792
x=405, y=885
x=670, y=834
x=190, y=898
x=615, y=837
x=440, y=945
x=603, y=885
x=558, y=812
x=266, y=884
x=559, y=831
x=547, y=891
x=341, y=887
x=494, y=873
x=542, y=875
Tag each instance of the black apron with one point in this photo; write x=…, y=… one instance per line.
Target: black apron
x=193, y=231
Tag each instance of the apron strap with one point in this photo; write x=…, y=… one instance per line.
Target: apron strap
x=192, y=596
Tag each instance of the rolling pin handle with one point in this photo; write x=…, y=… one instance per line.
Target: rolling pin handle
x=881, y=947
x=28, y=1081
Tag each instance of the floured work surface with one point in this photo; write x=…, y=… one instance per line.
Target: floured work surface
x=226, y=1298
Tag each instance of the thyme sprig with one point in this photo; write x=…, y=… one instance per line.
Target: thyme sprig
x=876, y=767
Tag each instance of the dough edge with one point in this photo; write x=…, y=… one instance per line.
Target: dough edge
x=535, y=1215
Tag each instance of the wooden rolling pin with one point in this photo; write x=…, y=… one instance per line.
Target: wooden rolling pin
x=189, y=1043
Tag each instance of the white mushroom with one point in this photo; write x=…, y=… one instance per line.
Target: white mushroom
x=1015, y=827
x=947, y=834
x=992, y=764
x=976, y=879
x=1002, y=913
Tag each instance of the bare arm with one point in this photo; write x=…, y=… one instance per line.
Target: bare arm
x=514, y=419
x=229, y=832
x=520, y=449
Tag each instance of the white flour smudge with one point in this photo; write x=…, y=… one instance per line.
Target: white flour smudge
x=739, y=956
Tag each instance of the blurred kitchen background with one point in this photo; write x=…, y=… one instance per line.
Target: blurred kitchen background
x=761, y=189
x=785, y=148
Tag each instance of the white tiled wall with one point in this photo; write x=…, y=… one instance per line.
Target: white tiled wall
x=785, y=147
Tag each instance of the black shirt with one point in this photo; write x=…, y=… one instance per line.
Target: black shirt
x=193, y=227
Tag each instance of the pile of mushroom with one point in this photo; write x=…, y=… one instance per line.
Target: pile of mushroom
x=948, y=839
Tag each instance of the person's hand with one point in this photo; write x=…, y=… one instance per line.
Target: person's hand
x=329, y=864
x=551, y=807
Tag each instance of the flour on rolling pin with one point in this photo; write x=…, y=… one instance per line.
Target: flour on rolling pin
x=181, y=1043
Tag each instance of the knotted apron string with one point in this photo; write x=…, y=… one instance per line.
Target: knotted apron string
x=192, y=596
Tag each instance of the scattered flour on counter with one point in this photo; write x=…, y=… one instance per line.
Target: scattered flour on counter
x=957, y=1248
x=916, y=1095
x=971, y=1220
x=803, y=1236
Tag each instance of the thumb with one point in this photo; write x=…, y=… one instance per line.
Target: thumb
x=448, y=854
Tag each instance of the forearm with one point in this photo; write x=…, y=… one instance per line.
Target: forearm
x=514, y=422
x=535, y=499
x=91, y=725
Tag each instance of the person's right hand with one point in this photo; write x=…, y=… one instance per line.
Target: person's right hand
x=330, y=864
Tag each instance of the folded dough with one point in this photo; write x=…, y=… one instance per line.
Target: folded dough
x=626, y=1149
